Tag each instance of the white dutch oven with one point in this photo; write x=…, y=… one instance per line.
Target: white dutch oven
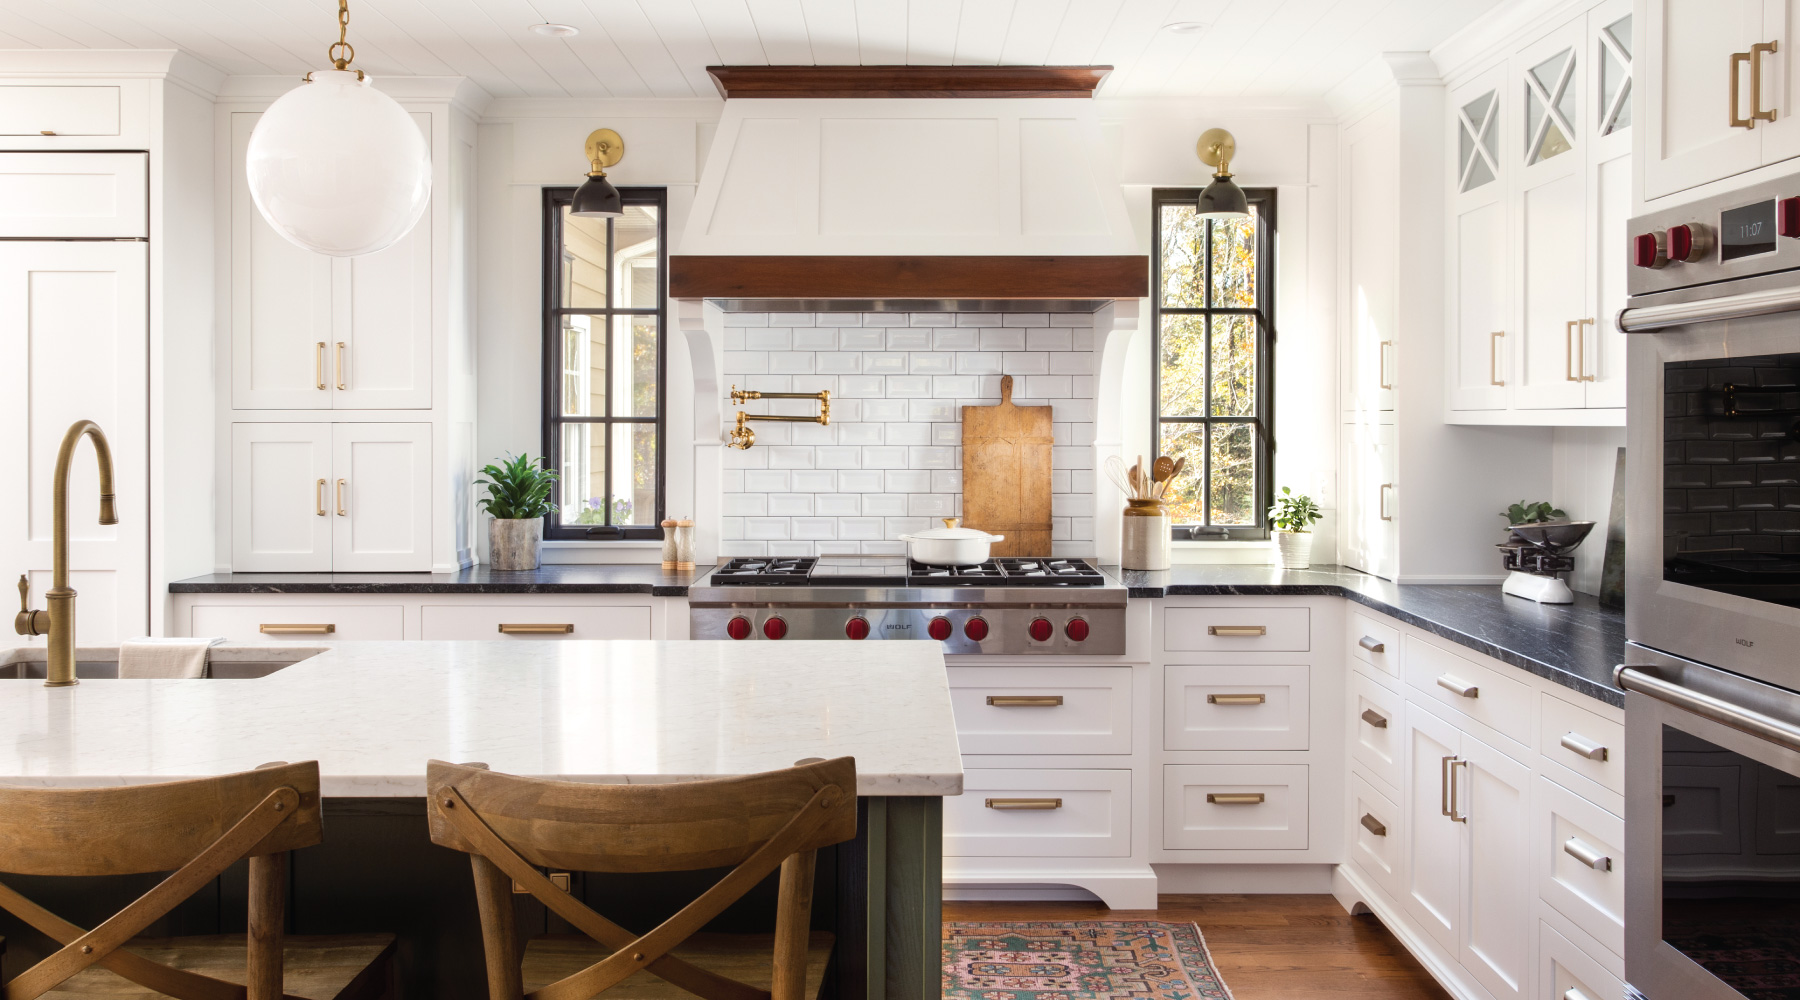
x=950, y=545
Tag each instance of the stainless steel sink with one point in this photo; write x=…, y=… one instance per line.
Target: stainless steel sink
x=102, y=662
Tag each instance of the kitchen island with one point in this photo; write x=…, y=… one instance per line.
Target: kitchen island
x=373, y=713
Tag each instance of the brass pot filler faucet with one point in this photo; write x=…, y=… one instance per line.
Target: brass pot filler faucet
x=742, y=437
x=57, y=620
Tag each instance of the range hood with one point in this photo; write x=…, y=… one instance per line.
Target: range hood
x=868, y=188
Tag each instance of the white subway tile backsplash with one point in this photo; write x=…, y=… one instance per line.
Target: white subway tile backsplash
x=889, y=461
x=861, y=340
x=885, y=504
x=770, y=339
x=908, y=433
x=955, y=340
x=790, y=504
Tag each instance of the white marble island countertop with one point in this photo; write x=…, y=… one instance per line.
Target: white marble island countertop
x=372, y=714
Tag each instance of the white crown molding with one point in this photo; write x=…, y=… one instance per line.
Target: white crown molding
x=1495, y=31
x=459, y=91
x=115, y=64
x=1413, y=69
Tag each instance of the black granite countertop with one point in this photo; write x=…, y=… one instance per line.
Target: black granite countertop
x=1576, y=645
x=564, y=578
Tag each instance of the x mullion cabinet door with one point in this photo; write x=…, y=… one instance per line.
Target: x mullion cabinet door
x=1601, y=345
x=1480, y=313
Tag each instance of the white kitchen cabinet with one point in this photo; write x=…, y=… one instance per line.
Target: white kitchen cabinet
x=1480, y=270
x=74, y=325
x=1698, y=106
x=534, y=623
x=1043, y=710
x=91, y=111
x=310, y=331
x=1370, y=498
x=1371, y=262
x=73, y=195
x=323, y=497
x=1235, y=807
x=1005, y=812
x=1236, y=708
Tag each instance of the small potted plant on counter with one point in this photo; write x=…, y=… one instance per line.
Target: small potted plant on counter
x=1292, y=517
x=518, y=498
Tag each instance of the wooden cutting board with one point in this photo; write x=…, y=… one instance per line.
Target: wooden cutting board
x=1006, y=473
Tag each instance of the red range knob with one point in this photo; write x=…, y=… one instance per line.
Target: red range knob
x=939, y=628
x=1040, y=629
x=1077, y=629
x=775, y=628
x=738, y=628
x=857, y=628
x=1787, y=217
x=1647, y=250
x=976, y=629
x=1689, y=243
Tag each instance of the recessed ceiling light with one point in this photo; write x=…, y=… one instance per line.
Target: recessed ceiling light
x=556, y=30
x=1186, y=27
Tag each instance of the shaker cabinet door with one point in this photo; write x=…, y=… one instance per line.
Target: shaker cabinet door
x=1493, y=793
x=1694, y=88
x=380, y=492
x=1480, y=271
x=1434, y=842
x=281, y=495
x=382, y=347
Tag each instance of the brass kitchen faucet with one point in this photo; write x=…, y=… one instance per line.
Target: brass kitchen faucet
x=57, y=620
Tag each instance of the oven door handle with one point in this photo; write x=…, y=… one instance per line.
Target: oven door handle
x=1706, y=706
x=1649, y=319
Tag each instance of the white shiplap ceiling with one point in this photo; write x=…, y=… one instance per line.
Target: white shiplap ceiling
x=1286, y=49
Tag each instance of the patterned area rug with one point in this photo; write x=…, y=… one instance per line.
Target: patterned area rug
x=1078, y=960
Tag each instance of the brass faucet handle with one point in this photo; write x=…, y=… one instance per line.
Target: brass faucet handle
x=29, y=622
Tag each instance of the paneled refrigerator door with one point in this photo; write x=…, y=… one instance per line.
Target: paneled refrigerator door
x=381, y=502
x=281, y=496
x=74, y=319
x=1601, y=361
x=282, y=342
x=1547, y=81
x=1479, y=270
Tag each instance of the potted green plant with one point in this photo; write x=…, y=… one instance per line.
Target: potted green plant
x=1526, y=512
x=518, y=498
x=1292, y=517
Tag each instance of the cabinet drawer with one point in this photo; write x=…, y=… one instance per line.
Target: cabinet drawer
x=1039, y=813
x=59, y=110
x=453, y=621
x=1217, y=807
x=1580, y=862
x=1375, y=830
x=1237, y=630
x=1375, y=726
x=1068, y=710
x=1566, y=972
x=298, y=623
x=73, y=195
x=1375, y=643
x=1492, y=698
x=1236, y=708
x=1588, y=744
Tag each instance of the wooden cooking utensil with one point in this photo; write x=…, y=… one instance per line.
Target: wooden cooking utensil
x=1163, y=469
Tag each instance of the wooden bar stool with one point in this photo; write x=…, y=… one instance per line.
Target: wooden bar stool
x=511, y=826
x=196, y=829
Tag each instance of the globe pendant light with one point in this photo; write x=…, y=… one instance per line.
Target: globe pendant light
x=337, y=166
x=1222, y=200
x=596, y=198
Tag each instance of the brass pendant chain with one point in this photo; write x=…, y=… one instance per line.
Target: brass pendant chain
x=343, y=61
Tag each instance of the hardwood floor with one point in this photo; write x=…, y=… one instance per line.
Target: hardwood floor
x=1266, y=947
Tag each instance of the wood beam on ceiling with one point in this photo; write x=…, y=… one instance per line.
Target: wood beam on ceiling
x=907, y=81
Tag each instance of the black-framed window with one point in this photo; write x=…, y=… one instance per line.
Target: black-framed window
x=604, y=357
x=1213, y=313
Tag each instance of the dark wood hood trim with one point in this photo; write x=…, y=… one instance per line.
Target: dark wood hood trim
x=907, y=81
x=1121, y=276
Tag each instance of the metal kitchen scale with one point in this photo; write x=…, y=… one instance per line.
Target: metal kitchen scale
x=1537, y=556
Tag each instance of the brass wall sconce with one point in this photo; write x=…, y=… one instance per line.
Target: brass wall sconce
x=596, y=198
x=742, y=437
x=1222, y=200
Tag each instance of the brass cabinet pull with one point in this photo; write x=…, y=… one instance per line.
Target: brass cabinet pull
x=536, y=628
x=1372, y=644
x=1731, y=112
x=340, y=366
x=1569, y=351
x=1235, y=798
x=1454, y=815
x=1382, y=501
x=319, y=497
x=1581, y=327
x=1493, y=361
x=1587, y=854
x=1444, y=784
x=1382, y=361
x=1374, y=718
x=1025, y=700
x=1458, y=687
x=340, y=499
x=1024, y=804
x=1241, y=631
x=1582, y=746
x=286, y=629
x=1235, y=699
x=1373, y=825
x=319, y=364
x=1756, y=109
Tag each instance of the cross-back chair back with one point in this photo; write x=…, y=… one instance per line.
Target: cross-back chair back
x=510, y=826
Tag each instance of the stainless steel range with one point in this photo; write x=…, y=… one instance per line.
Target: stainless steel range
x=1012, y=606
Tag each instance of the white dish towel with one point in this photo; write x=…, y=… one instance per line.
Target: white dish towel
x=164, y=658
